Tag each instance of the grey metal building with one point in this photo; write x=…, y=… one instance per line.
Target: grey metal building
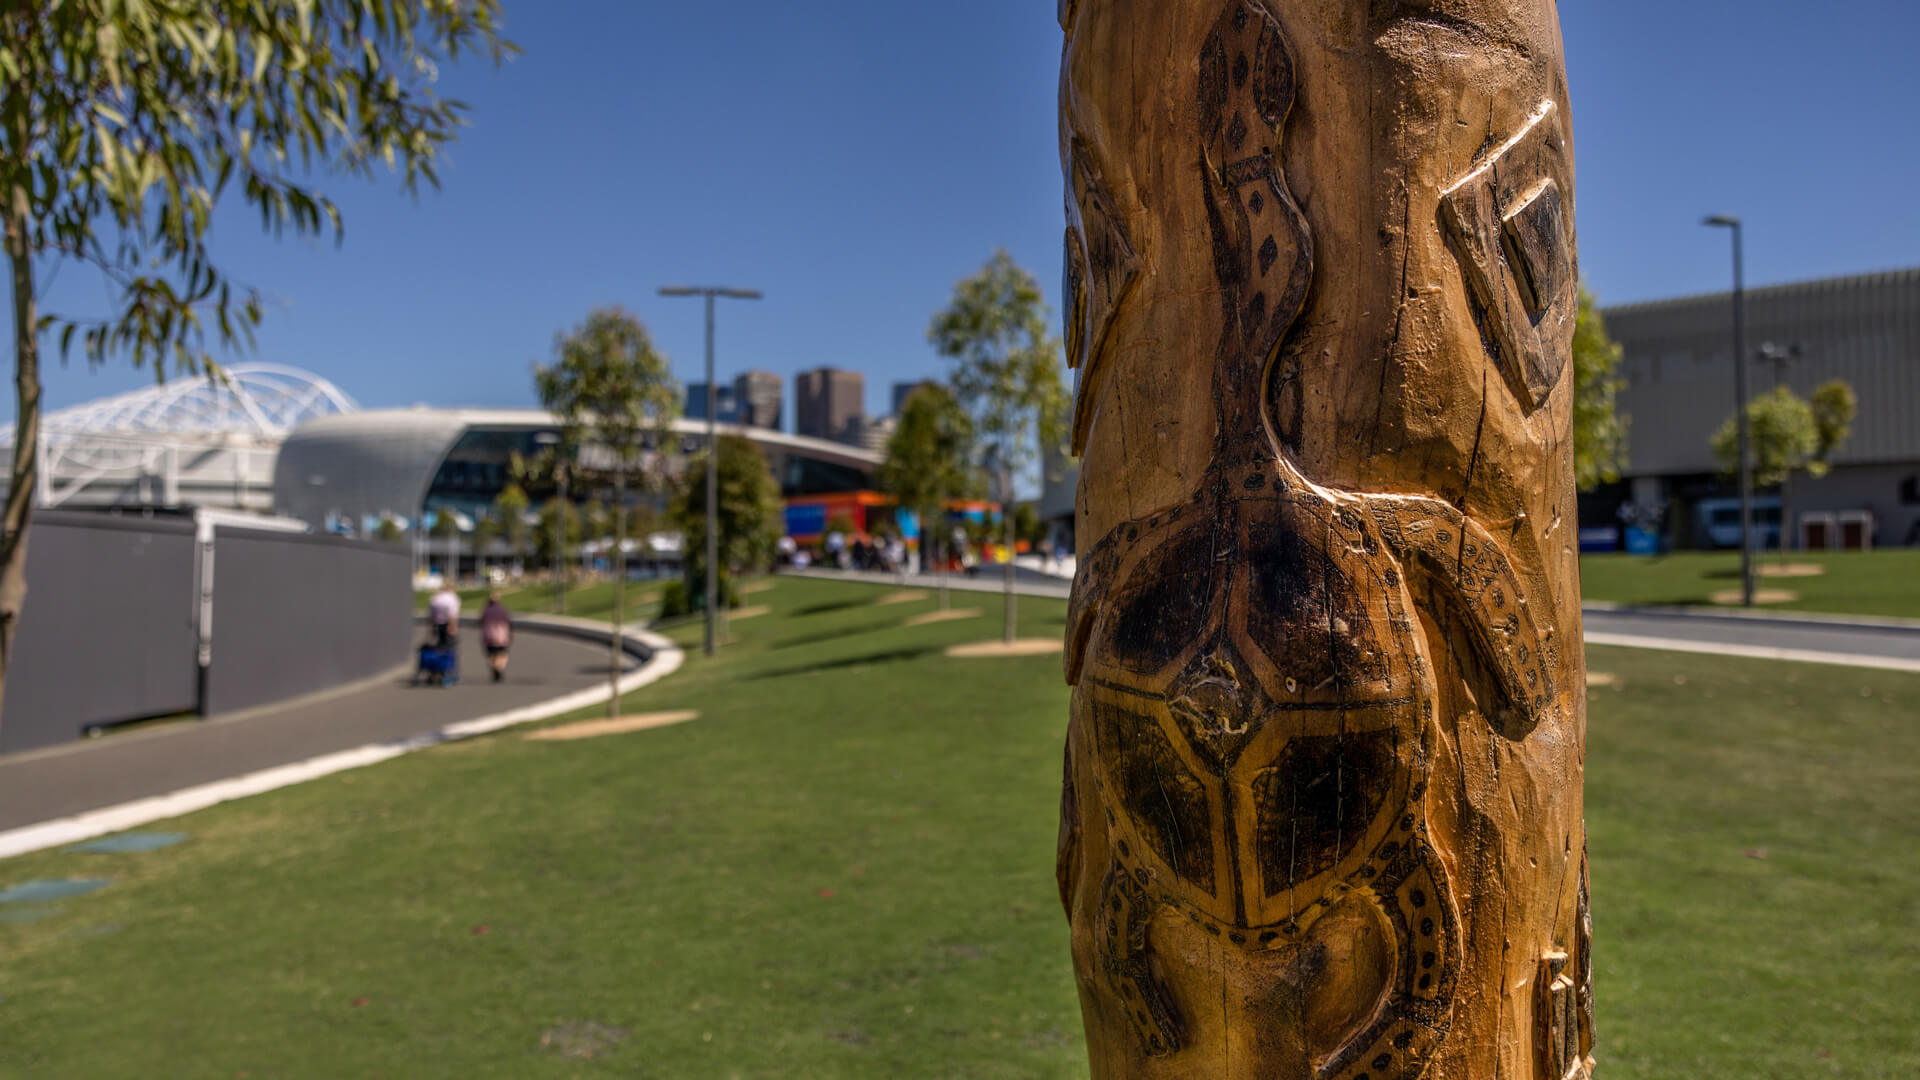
x=1677, y=363
x=406, y=463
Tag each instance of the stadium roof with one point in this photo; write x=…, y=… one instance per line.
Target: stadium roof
x=205, y=440
x=266, y=400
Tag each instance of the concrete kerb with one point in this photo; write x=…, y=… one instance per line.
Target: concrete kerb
x=659, y=658
x=1754, y=652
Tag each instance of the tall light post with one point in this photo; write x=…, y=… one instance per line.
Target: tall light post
x=1778, y=357
x=1740, y=405
x=713, y=452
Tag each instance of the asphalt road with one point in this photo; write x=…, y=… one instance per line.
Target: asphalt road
x=41, y=785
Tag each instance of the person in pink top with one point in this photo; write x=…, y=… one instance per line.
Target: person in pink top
x=496, y=633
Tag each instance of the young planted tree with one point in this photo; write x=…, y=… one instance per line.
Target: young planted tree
x=596, y=523
x=929, y=460
x=389, y=531
x=125, y=122
x=1006, y=374
x=486, y=529
x=511, y=504
x=1599, y=431
x=552, y=466
x=747, y=513
x=615, y=396
x=446, y=527
x=1787, y=433
x=553, y=544
x=1028, y=529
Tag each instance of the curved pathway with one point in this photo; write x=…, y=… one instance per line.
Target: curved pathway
x=65, y=793
x=1887, y=644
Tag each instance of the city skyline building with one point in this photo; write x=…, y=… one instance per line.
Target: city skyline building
x=876, y=433
x=726, y=406
x=757, y=399
x=829, y=403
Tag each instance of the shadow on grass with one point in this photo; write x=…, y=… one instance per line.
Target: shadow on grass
x=836, y=605
x=1695, y=600
x=834, y=635
x=885, y=657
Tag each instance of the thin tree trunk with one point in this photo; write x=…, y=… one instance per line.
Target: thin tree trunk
x=619, y=592
x=1006, y=514
x=939, y=549
x=1786, y=518
x=561, y=557
x=26, y=428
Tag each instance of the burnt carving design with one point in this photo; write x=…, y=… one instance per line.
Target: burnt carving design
x=1253, y=695
x=1514, y=237
x=1100, y=267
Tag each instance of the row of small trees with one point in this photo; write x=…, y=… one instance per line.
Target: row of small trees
x=616, y=400
x=1002, y=408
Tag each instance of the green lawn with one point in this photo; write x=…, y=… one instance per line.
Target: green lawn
x=590, y=601
x=844, y=869
x=1883, y=583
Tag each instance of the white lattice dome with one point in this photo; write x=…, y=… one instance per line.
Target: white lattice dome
x=207, y=441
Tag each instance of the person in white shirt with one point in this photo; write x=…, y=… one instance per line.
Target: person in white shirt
x=444, y=612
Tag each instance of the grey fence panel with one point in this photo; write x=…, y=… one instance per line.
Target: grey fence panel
x=294, y=613
x=107, y=633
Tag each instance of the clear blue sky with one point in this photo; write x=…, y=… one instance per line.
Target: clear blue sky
x=854, y=158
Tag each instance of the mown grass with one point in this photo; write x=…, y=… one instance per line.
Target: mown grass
x=843, y=868
x=1880, y=583
x=591, y=600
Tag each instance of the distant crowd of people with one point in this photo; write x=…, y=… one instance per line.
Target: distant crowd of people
x=888, y=553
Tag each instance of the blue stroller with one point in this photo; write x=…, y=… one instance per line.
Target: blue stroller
x=439, y=665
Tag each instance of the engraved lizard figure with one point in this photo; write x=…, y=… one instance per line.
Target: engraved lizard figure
x=1253, y=707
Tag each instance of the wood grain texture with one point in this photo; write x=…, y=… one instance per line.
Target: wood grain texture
x=1321, y=808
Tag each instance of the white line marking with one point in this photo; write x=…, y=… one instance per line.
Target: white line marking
x=667, y=658
x=1755, y=652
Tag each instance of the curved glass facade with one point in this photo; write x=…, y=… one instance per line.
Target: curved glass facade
x=480, y=463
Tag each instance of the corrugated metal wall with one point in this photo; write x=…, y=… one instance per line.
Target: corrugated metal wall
x=1679, y=373
x=294, y=613
x=108, y=630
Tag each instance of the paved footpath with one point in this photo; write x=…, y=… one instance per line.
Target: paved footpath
x=1887, y=644
x=37, y=786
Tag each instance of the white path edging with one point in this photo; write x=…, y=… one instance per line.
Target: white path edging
x=666, y=659
x=1754, y=652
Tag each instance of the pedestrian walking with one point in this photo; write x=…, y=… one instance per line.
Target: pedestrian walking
x=443, y=610
x=496, y=634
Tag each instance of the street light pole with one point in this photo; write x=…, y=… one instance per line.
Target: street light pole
x=1740, y=406
x=709, y=292
x=1779, y=358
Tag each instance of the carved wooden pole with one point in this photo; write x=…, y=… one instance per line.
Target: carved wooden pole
x=1322, y=807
